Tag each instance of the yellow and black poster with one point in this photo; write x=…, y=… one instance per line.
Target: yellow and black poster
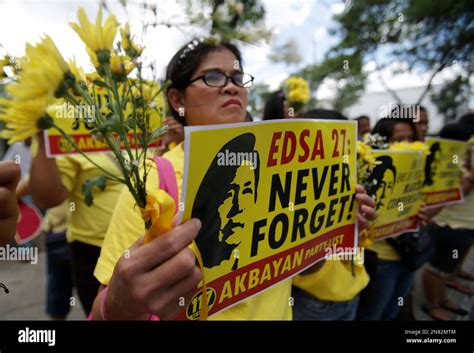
x=77, y=121
x=442, y=182
x=396, y=183
x=271, y=197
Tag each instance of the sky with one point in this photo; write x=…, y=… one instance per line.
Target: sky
x=306, y=21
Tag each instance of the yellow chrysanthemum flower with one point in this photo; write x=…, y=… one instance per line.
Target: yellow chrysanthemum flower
x=93, y=57
x=149, y=91
x=97, y=37
x=24, y=119
x=130, y=47
x=121, y=65
x=410, y=146
x=77, y=71
x=45, y=73
x=153, y=99
x=4, y=62
x=364, y=153
x=298, y=89
x=362, y=149
x=19, y=64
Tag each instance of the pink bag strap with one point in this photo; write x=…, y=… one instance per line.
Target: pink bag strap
x=167, y=177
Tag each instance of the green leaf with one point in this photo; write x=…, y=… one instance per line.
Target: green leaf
x=88, y=186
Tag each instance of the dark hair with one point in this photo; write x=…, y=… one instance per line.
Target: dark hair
x=384, y=127
x=274, y=106
x=362, y=117
x=323, y=114
x=435, y=148
x=185, y=62
x=378, y=173
x=248, y=116
x=210, y=195
x=467, y=119
x=457, y=131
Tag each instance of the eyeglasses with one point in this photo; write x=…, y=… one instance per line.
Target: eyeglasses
x=219, y=79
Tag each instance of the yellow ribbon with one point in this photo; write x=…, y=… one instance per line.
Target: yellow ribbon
x=367, y=237
x=161, y=214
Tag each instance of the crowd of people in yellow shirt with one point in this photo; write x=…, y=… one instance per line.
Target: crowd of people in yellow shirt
x=117, y=276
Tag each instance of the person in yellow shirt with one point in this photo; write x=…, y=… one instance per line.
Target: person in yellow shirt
x=452, y=232
x=332, y=291
x=54, y=180
x=392, y=279
x=58, y=260
x=208, y=87
x=59, y=282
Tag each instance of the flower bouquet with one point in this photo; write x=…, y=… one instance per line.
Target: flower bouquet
x=365, y=166
x=123, y=123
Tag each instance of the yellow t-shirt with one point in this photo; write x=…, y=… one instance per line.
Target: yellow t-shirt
x=127, y=225
x=385, y=251
x=460, y=215
x=88, y=224
x=334, y=281
x=55, y=220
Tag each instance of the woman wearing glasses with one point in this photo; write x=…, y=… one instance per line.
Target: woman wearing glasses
x=208, y=87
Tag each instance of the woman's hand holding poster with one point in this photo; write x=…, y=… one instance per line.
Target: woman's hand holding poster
x=271, y=197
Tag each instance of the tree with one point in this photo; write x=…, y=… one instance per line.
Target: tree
x=426, y=35
x=287, y=53
x=451, y=96
x=345, y=70
x=230, y=19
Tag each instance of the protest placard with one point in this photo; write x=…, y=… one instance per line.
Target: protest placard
x=76, y=121
x=271, y=197
x=396, y=183
x=442, y=182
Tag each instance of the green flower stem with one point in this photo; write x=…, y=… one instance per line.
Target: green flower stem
x=118, y=155
x=71, y=98
x=78, y=149
x=89, y=100
x=117, y=108
x=141, y=201
x=135, y=132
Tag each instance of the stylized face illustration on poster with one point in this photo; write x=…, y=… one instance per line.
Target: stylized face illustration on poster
x=271, y=197
x=382, y=180
x=442, y=183
x=396, y=184
x=233, y=187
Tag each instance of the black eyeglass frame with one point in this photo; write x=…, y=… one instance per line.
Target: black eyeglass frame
x=227, y=78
